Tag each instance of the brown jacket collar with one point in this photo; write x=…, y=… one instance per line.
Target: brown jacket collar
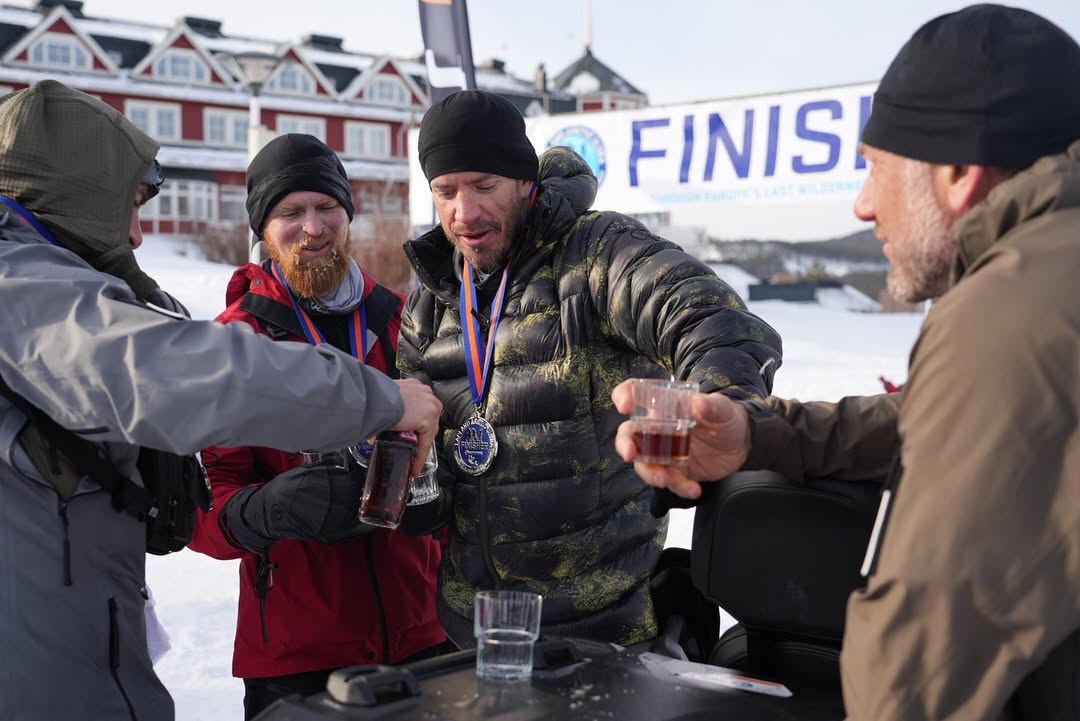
x=1052, y=183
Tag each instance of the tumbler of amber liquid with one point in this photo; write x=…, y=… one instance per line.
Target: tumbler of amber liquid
x=386, y=485
x=662, y=420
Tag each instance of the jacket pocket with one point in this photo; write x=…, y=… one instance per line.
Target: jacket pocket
x=114, y=654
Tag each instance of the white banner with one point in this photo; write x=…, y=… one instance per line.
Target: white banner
x=783, y=167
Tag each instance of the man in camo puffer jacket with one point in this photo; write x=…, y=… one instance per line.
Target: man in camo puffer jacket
x=589, y=299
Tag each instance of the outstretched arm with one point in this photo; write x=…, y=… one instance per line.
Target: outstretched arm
x=855, y=439
x=672, y=309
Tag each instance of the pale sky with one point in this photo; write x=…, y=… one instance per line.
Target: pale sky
x=676, y=51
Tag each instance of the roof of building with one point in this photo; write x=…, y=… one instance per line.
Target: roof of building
x=606, y=79
x=128, y=44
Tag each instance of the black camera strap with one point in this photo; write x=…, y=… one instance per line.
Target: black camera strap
x=86, y=456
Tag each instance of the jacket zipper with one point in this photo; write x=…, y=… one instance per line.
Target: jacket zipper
x=369, y=551
x=485, y=535
x=114, y=656
x=264, y=581
x=67, y=542
x=888, y=494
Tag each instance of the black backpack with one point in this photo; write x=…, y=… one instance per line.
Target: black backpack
x=175, y=487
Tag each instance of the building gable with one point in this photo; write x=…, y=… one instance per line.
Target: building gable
x=295, y=75
x=57, y=43
x=384, y=83
x=181, y=58
x=588, y=75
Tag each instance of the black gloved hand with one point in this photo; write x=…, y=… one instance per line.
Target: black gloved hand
x=304, y=503
x=428, y=517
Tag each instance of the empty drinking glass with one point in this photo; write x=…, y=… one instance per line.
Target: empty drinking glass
x=425, y=487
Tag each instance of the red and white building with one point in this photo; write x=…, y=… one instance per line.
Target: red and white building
x=174, y=83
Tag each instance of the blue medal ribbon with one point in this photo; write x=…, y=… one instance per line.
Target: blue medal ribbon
x=479, y=366
x=31, y=219
x=357, y=327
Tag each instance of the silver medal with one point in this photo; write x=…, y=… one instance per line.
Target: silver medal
x=476, y=446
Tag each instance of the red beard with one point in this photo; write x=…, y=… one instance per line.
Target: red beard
x=317, y=277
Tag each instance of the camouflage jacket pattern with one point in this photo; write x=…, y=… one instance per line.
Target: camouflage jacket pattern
x=593, y=298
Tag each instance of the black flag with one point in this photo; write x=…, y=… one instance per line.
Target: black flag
x=444, y=25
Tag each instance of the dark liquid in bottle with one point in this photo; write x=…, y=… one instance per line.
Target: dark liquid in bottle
x=663, y=446
x=387, y=483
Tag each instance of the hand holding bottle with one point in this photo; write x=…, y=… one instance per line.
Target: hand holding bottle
x=422, y=411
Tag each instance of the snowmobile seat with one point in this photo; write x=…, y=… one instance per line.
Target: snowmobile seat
x=782, y=557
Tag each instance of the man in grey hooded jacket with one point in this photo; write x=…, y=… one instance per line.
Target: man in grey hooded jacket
x=84, y=339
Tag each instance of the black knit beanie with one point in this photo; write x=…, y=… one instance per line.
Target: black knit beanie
x=289, y=163
x=475, y=131
x=987, y=85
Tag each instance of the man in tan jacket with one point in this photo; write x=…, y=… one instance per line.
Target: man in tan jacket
x=971, y=608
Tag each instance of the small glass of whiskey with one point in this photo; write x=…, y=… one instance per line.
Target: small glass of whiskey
x=663, y=420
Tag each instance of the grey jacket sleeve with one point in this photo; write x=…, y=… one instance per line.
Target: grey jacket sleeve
x=111, y=369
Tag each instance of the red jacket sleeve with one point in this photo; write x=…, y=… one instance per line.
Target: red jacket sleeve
x=229, y=470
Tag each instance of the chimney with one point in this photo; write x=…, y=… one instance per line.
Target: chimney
x=541, y=78
x=73, y=6
x=324, y=42
x=203, y=26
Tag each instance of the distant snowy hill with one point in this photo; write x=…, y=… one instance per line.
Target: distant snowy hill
x=855, y=259
x=844, y=297
x=847, y=298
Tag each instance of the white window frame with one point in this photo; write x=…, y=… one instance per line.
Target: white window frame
x=191, y=195
x=169, y=61
x=388, y=90
x=234, y=196
x=306, y=83
x=235, y=127
x=39, y=53
x=368, y=203
x=393, y=206
x=302, y=124
x=367, y=140
x=154, y=111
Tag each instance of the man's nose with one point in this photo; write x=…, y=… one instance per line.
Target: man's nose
x=467, y=209
x=135, y=234
x=313, y=224
x=864, y=202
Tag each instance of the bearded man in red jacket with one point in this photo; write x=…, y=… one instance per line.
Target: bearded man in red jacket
x=318, y=589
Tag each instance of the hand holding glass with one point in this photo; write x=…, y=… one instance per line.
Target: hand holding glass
x=388, y=487
x=662, y=420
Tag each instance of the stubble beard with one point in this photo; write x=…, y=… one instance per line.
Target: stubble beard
x=319, y=276
x=491, y=259
x=922, y=261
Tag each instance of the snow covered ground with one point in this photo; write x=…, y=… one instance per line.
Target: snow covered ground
x=828, y=353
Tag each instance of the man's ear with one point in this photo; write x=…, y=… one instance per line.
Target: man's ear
x=960, y=187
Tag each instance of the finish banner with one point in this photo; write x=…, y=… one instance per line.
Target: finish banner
x=779, y=166
x=782, y=166
x=444, y=25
